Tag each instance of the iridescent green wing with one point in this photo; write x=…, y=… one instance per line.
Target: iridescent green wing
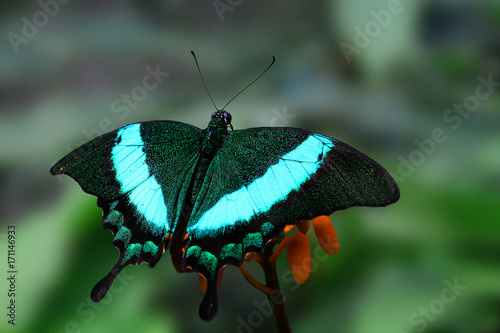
x=263, y=179
x=140, y=174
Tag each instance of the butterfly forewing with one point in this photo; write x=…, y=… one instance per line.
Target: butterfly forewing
x=263, y=179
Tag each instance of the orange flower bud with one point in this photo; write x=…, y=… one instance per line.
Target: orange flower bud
x=326, y=235
x=299, y=257
x=203, y=283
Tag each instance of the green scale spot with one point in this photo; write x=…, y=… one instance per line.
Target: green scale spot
x=194, y=251
x=113, y=205
x=132, y=250
x=208, y=260
x=231, y=250
x=266, y=228
x=150, y=247
x=115, y=218
x=123, y=235
x=254, y=239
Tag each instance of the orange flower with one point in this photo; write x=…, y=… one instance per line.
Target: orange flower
x=326, y=235
x=299, y=252
x=299, y=257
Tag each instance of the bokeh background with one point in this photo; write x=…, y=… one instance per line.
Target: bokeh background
x=387, y=77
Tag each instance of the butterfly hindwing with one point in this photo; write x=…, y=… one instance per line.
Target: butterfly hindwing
x=138, y=173
x=263, y=179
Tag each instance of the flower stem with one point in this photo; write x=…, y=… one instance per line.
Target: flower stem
x=265, y=289
x=275, y=297
x=281, y=247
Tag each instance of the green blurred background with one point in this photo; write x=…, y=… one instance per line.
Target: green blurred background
x=378, y=75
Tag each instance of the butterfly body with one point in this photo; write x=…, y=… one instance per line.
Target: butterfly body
x=214, y=195
x=211, y=140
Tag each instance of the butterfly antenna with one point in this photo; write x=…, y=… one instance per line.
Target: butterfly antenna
x=203, y=80
x=258, y=77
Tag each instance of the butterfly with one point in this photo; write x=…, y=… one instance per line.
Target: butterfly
x=214, y=195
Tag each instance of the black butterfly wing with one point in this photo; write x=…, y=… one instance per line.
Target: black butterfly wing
x=140, y=174
x=263, y=179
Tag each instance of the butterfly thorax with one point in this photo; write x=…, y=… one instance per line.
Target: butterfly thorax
x=213, y=136
x=211, y=140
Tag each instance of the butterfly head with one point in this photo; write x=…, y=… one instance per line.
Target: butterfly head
x=218, y=129
x=224, y=116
